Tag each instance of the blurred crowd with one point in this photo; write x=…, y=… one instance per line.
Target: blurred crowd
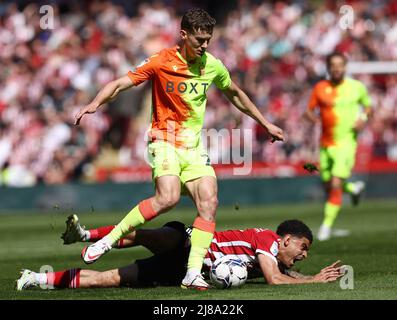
x=275, y=51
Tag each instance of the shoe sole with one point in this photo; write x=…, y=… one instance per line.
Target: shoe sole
x=71, y=222
x=194, y=287
x=17, y=287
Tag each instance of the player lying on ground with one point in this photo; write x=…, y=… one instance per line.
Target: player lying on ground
x=265, y=252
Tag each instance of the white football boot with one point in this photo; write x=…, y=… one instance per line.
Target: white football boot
x=359, y=187
x=194, y=281
x=26, y=280
x=74, y=231
x=93, y=252
x=324, y=233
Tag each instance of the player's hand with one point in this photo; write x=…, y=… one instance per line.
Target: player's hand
x=359, y=125
x=275, y=132
x=87, y=109
x=329, y=274
x=360, y=122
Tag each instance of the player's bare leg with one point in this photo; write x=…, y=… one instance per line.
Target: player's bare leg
x=126, y=277
x=76, y=278
x=166, y=197
x=332, y=207
x=327, y=187
x=97, y=279
x=204, y=193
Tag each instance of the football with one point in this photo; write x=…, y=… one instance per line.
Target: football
x=228, y=273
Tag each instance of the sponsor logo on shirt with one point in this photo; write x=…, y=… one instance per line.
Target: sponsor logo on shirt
x=191, y=87
x=274, y=248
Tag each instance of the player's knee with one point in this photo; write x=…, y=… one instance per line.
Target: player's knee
x=336, y=183
x=168, y=201
x=208, y=205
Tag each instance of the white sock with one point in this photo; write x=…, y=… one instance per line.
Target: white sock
x=87, y=235
x=191, y=273
x=41, y=278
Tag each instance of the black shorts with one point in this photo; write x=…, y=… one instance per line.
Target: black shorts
x=168, y=268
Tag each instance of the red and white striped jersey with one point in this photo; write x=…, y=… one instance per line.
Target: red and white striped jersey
x=244, y=245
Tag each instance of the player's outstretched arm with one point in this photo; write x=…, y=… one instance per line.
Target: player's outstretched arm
x=107, y=93
x=273, y=276
x=323, y=273
x=363, y=119
x=241, y=101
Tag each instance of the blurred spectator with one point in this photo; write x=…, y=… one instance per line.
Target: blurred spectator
x=274, y=50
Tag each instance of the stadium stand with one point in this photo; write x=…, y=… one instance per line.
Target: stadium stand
x=274, y=50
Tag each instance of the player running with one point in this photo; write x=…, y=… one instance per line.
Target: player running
x=339, y=101
x=267, y=253
x=180, y=78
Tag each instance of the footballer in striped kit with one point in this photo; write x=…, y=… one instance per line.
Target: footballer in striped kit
x=266, y=253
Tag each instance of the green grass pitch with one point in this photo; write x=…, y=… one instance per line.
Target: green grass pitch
x=33, y=240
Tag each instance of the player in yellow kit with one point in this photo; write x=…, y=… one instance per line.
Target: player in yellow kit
x=180, y=78
x=339, y=101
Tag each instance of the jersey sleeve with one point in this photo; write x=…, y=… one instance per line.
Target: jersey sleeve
x=222, y=79
x=267, y=243
x=143, y=71
x=313, y=101
x=365, y=99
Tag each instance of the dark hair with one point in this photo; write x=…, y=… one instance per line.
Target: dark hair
x=197, y=19
x=295, y=228
x=333, y=55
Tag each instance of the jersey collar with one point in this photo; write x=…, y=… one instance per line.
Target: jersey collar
x=178, y=54
x=338, y=84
